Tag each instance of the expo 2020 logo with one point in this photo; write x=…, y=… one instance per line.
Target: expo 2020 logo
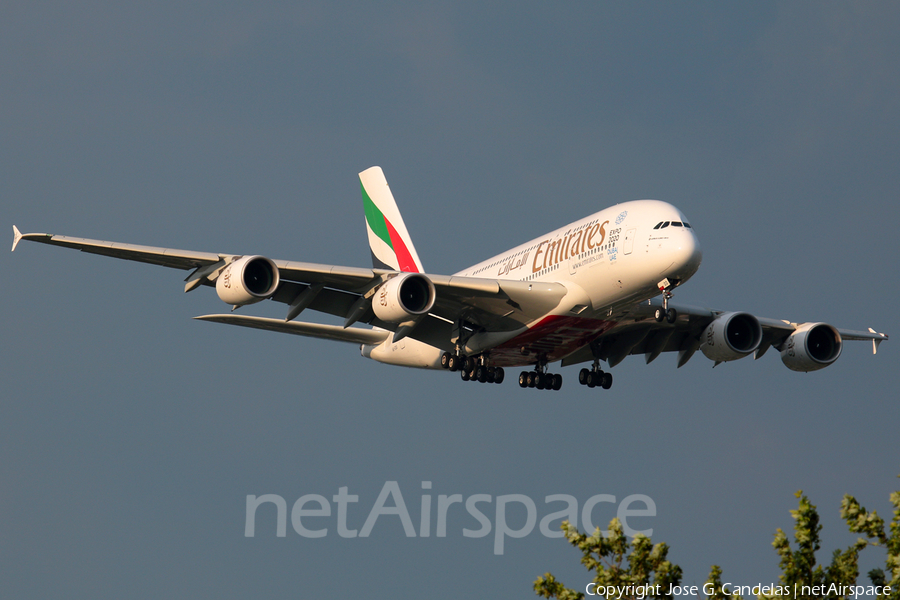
x=621, y=217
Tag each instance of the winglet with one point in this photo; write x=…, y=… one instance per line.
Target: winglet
x=877, y=341
x=17, y=236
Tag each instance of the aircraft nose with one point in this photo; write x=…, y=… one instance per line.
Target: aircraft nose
x=688, y=251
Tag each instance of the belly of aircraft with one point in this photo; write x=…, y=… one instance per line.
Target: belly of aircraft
x=553, y=337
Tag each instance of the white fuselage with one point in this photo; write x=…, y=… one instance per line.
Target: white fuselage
x=607, y=262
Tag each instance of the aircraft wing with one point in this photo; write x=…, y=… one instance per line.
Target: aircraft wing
x=167, y=257
x=637, y=332
x=488, y=304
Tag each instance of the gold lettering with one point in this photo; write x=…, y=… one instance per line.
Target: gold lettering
x=534, y=266
x=575, y=245
x=590, y=236
x=553, y=253
x=603, y=232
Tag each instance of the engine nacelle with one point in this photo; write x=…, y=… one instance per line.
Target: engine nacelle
x=731, y=336
x=811, y=347
x=247, y=280
x=404, y=296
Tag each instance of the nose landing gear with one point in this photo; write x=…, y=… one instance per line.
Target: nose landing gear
x=665, y=313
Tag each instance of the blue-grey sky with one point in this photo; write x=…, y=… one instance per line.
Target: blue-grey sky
x=131, y=435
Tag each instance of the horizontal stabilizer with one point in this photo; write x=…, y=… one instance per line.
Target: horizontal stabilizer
x=354, y=335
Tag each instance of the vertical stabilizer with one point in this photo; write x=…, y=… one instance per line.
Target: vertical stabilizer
x=391, y=246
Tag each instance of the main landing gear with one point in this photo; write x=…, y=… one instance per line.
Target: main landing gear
x=540, y=379
x=472, y=368
x=595, y=377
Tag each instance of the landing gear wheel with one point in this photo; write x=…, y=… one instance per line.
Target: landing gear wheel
x=606, y=381
x=498, y=375
x=582, y=376
x=453, y=362
x=671, y=315
x=659, y=315
x=523, y=379
x=445, y=360
x=557, y=382
x=591, y=380
x=481, y=373
x=468, y=363
x=464, y=374
x=532, y=379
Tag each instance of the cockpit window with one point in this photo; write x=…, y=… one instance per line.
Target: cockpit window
x=664, y=224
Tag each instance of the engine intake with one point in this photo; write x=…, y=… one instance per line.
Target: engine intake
x=811, y=347
x=404, y=296
x=247, y=280
x=731, y=336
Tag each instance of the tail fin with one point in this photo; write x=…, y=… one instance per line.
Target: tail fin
x=391, y=246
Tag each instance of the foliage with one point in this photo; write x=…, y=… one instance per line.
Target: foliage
x=609, y=557
x=798, y=567
x=617, y=562
x=872, y=526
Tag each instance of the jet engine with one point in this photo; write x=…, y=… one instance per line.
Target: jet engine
x=404, y=296
x=247, y=280
x=731, y=336
x=811, y=347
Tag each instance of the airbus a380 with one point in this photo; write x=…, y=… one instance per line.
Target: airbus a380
x=594, y=290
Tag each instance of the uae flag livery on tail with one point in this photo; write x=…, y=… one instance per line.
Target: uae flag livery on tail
x=389, y=241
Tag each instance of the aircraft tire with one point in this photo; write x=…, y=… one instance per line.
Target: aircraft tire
x=523, y=379
x=659, y=315
x=606, y=381
x=445, y=360
x=557, y=382
x=582, y=376
x=498, y=375
x=671, y=315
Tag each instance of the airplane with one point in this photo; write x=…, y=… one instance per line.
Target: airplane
x=598, y=289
